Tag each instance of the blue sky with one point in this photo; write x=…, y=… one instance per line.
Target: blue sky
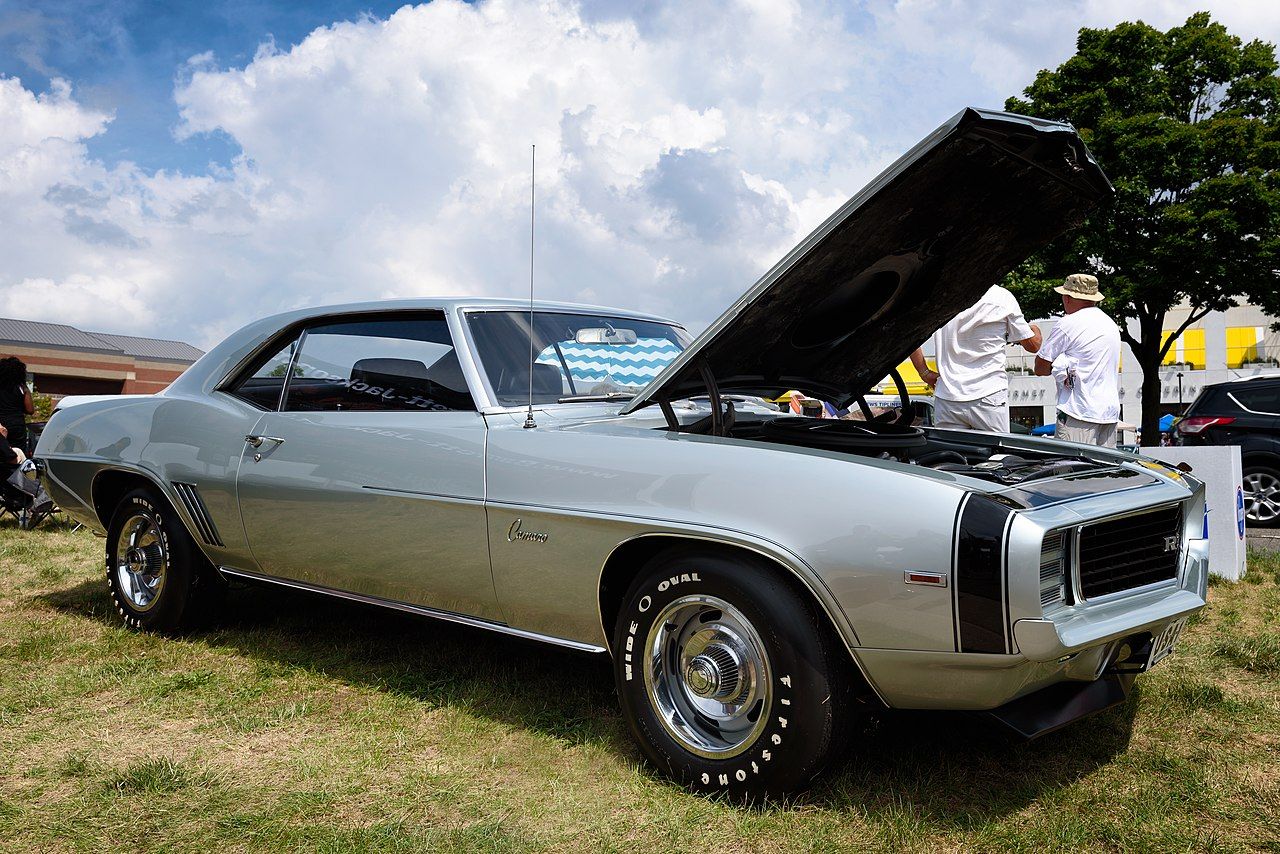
x=124, y=57
x=179, y=169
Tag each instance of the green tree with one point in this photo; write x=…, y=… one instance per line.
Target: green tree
x=1186, y=123
x=43, y=406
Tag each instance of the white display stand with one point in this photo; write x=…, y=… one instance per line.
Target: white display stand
x=1219, y=468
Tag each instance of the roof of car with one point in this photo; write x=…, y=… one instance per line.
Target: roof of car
x=229, y=353
x=1272, y=375
x=475, y=303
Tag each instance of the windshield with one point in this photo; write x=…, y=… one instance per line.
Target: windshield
x=574, y=355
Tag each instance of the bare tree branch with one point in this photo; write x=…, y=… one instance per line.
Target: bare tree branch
x=1191, y=318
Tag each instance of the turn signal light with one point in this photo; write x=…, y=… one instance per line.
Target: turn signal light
x=1053, y=571
x=1197, y=423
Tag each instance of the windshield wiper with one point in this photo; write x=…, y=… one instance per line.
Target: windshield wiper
x=608, y=395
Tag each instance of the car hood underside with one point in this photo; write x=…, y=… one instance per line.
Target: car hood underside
x=919, y=244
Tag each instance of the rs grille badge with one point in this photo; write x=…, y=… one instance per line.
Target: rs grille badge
x=1171, y=544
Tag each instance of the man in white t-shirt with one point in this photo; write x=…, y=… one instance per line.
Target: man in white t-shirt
x=1083, y=354
x=971, y=389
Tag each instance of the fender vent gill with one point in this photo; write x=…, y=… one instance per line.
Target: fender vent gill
x=194, y=504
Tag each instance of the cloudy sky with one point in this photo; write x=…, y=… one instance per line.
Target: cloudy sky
x=176, y=169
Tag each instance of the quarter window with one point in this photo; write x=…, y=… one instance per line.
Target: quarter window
x=264, y=386
x=396, y=364
x=1262, y=399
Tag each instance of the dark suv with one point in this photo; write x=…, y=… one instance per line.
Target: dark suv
x=1244, y=413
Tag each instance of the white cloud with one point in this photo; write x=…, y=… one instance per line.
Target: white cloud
x=1004, y=43
x=63, y=252
x=681, y=149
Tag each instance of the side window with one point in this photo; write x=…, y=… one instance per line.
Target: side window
x=404, y=364
x=1259, y=399
x=264, y=385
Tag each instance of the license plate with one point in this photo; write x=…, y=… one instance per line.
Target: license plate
x=1164, y=642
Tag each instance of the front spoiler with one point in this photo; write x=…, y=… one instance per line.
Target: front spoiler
x=1052, y=708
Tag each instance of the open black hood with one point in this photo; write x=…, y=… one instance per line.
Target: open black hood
x=918, y=245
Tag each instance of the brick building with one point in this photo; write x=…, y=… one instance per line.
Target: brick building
x=64, y=360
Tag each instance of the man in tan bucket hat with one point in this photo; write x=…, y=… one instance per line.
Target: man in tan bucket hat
x=1083, y=355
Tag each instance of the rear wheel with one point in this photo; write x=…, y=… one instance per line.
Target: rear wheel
x=731, y=681
x=1262, y=496
x=157, y=576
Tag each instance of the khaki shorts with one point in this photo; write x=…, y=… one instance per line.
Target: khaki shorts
x=989, y=414
x=1071, y=429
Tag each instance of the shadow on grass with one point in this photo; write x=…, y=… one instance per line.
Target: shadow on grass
x=58, y=522
x=943, y=769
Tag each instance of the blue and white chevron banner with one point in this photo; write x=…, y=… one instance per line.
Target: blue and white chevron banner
x=623, y=364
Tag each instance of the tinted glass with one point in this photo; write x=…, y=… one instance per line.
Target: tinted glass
x=264, y=385
x=615, y=354
x=1264, y=398
x=404, y=364
x=1207, y=400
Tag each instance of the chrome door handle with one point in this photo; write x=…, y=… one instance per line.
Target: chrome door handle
x=256, y=441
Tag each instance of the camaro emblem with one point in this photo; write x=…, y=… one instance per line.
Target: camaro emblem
x=1171, y=544
x=515, y=533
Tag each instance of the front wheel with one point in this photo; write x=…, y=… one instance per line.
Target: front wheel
x=731, y=681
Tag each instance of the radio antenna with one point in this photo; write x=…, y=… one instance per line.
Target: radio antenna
x=533, y=185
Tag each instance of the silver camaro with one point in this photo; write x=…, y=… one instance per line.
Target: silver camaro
x=594, y=479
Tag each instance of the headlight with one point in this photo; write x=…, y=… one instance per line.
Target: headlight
x=1053, y=571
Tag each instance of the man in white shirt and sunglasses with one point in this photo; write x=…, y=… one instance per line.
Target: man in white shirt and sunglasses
x=1083, y=354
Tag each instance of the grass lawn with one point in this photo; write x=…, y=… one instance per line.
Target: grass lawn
x=300, y=723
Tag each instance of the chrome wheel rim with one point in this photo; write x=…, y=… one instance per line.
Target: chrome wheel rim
x=140, y=561
x=1262, y=492
x=708, y=676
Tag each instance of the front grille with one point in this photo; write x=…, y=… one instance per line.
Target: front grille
x=1132, y=551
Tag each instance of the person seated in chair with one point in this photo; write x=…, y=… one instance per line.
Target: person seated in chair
x=9, y=455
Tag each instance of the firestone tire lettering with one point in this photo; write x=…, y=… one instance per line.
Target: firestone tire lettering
x=810, y=697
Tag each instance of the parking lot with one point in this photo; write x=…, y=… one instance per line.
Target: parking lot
x=1265, y=539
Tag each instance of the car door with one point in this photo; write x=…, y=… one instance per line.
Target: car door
x=369, y=476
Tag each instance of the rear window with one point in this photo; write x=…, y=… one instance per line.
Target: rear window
x=1212, y=401
x=1258, y=398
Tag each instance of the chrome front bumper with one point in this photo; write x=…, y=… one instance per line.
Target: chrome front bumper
x=1051, y=639
x=1075, y=647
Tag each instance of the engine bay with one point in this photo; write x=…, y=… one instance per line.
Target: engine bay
x=912, y=445
x=891, y=435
